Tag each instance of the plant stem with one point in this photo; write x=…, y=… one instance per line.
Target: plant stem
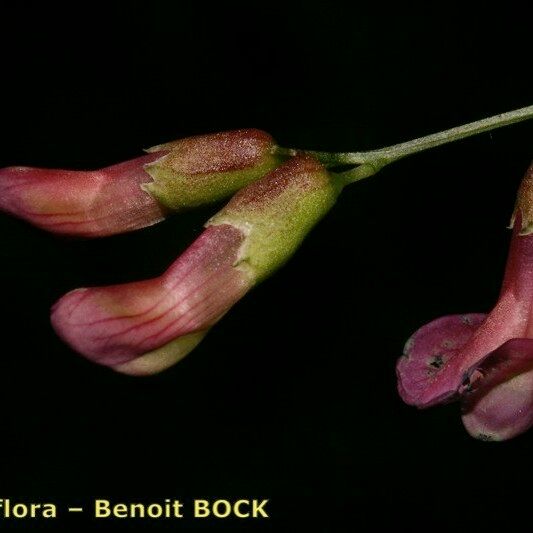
x=372, y=161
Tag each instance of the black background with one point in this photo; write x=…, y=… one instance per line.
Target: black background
x=292, y=396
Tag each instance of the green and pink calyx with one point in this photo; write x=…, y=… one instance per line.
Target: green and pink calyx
x=208, y=168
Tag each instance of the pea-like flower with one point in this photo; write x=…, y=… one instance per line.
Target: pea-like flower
x=146, y=326
x=141, y=192
x=485, y=361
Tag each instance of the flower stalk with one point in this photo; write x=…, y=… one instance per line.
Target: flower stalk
x=371, y=162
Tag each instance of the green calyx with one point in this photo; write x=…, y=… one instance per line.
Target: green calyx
x=277, y=212
x=179, y=191
x=163, y=357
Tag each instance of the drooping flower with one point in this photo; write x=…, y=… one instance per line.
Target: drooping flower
x=141, y=192
x=485, y=361
x=146, y=326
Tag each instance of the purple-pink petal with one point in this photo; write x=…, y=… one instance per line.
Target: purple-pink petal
x=92, y=203
x=428, y=372
x=498, y=399
x=115, y=324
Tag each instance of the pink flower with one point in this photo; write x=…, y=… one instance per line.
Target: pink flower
x=138, y=193
x=146, y=326
x=485, y=361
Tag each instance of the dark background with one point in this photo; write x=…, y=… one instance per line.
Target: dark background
x=292, y=396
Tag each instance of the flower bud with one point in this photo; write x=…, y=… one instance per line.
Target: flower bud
x=186, y=173
x=82, y=203
x=144, y=327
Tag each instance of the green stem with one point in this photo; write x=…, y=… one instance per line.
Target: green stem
x=372, y=161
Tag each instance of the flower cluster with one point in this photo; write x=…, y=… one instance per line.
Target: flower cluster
x=276, y=197
x=144, y=327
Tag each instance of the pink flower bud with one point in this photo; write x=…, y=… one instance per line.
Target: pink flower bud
x=128, y=326
x=82, y=203
x=138, y=193
x=146, y=326
x=486, y=361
